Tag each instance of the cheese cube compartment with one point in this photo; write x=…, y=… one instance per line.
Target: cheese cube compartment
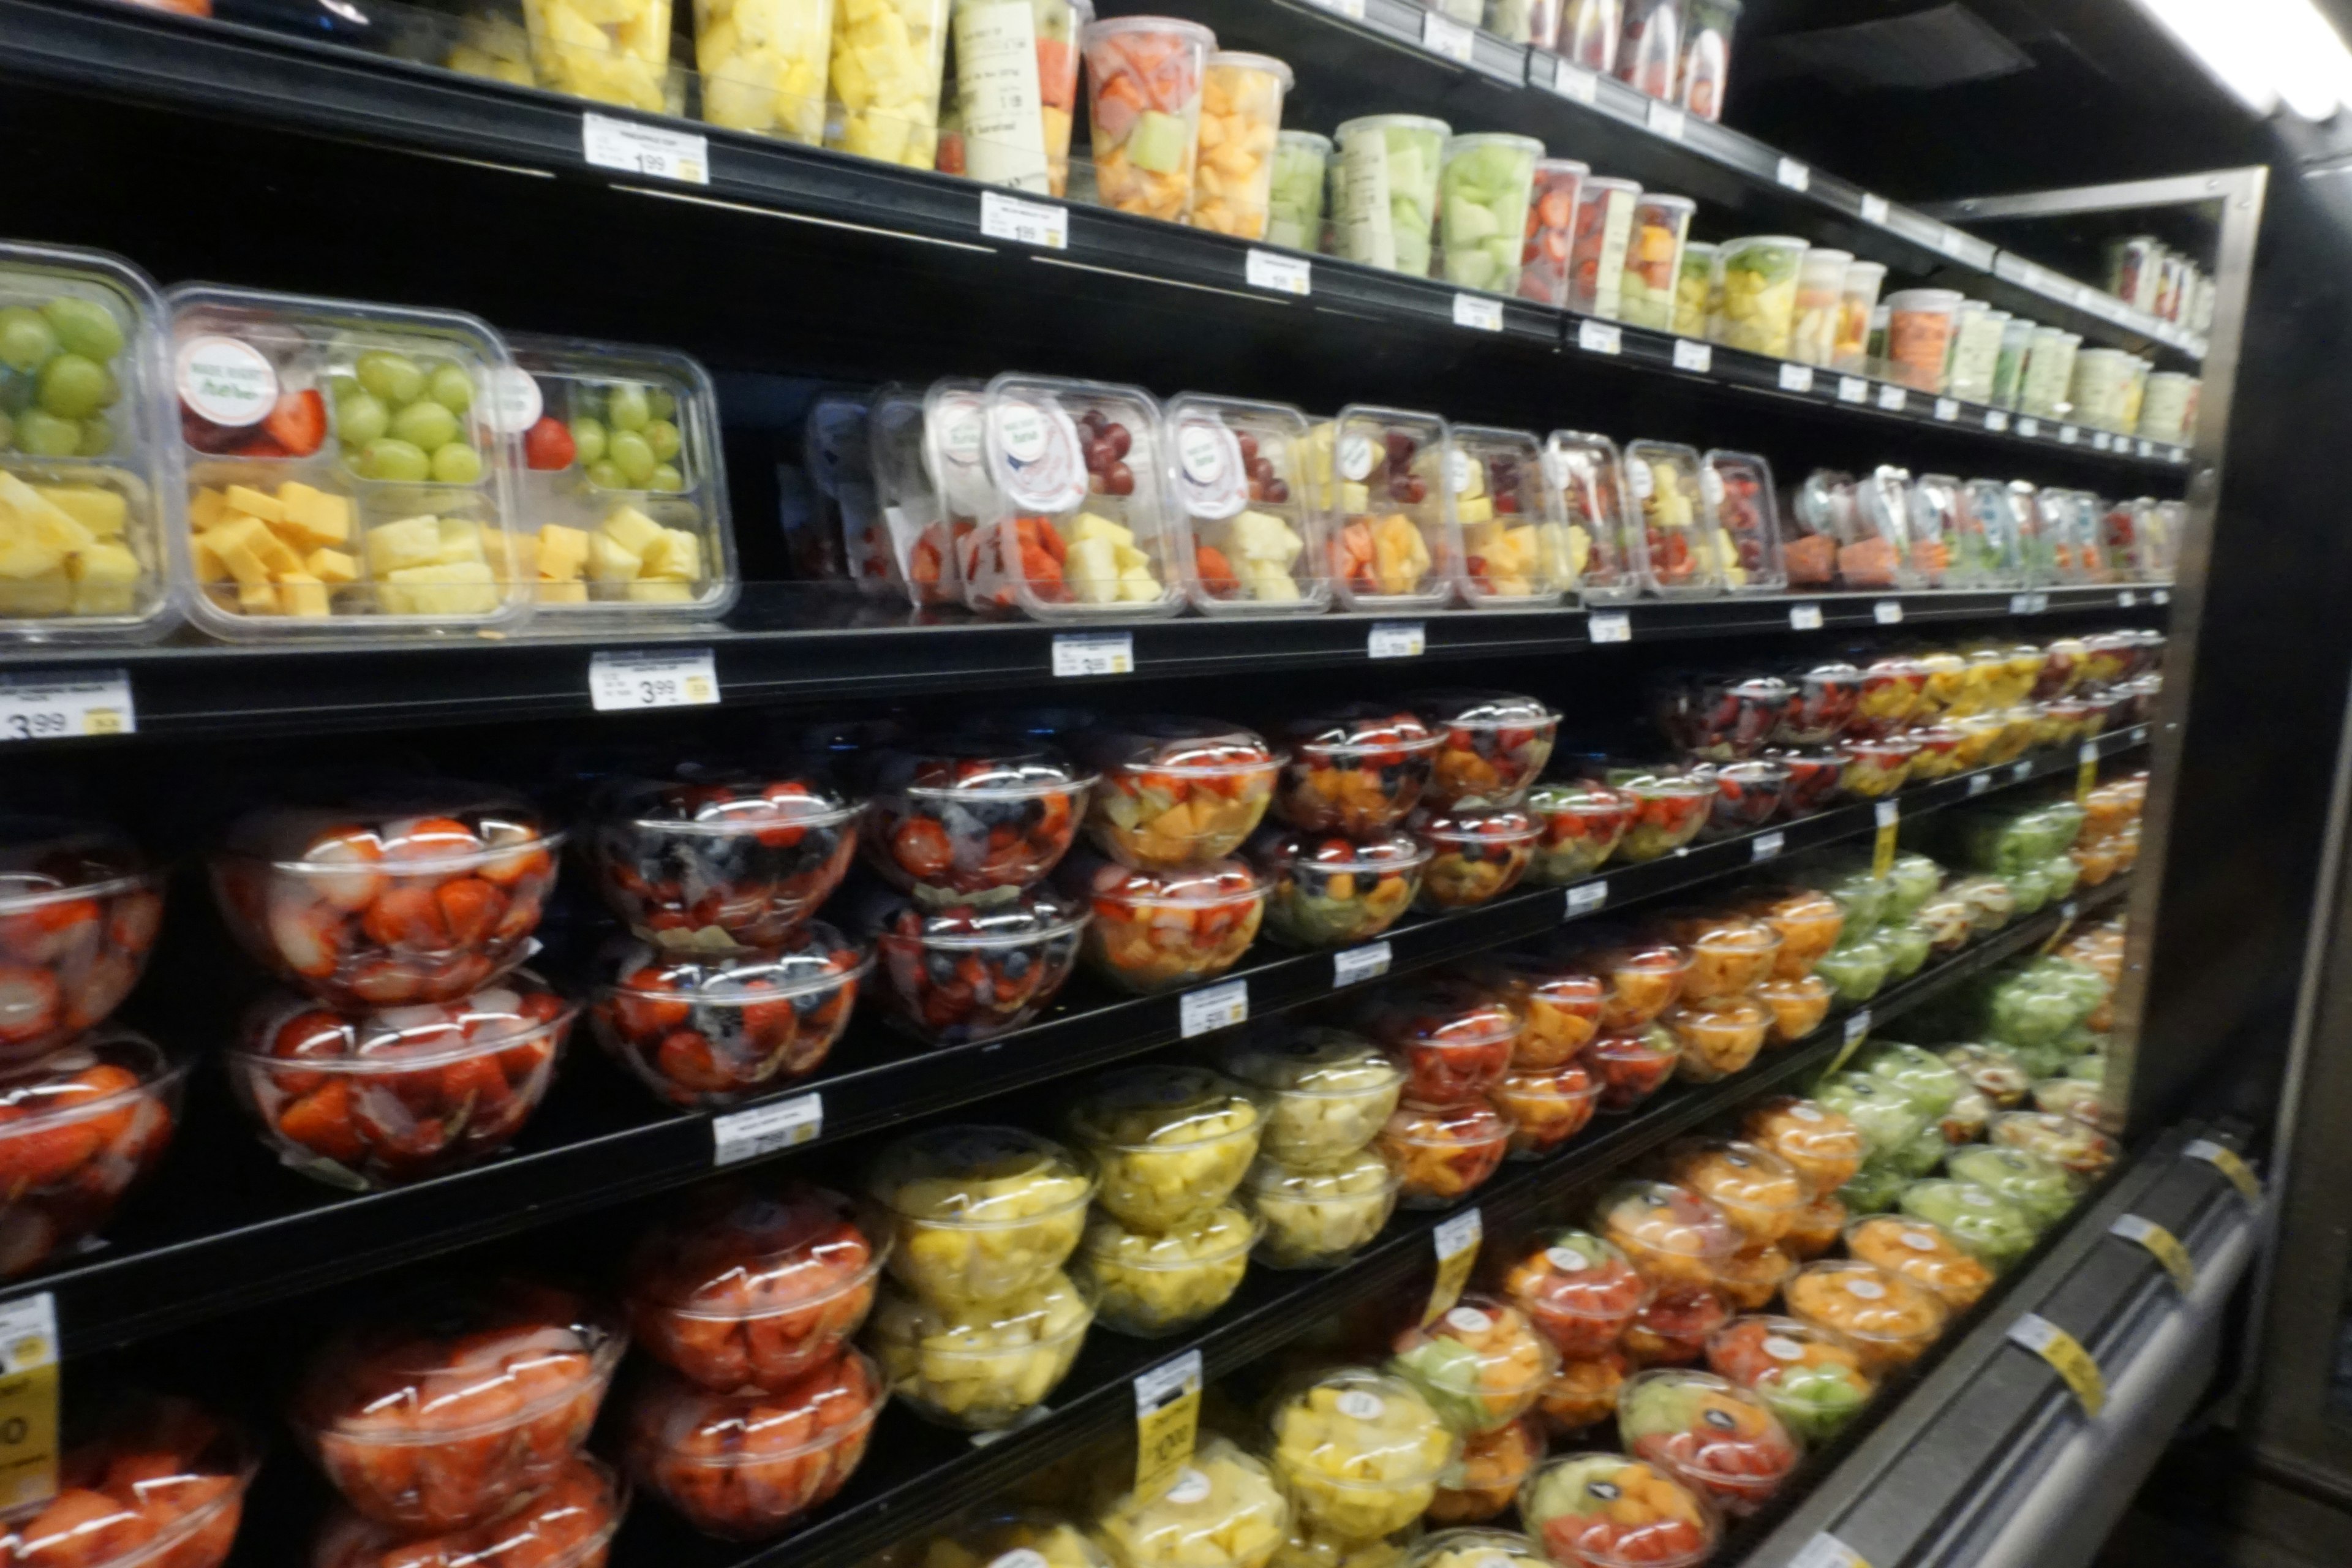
x=1516, y=545
x=623, y=496
x=1678, y=527
x=1249, y=525
x=1608, y=553
x=1080, y=522
x=85, y=460
x=1380, y=475
x=347, y=472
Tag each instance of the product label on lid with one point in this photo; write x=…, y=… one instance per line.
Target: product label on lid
x=1469, y=1321
x=1868, y=1289
x=1710, y=485
x=1360, y=1405
x=1637, y=475
x=1042, y=463
x=1780, y=1347
x=1616, y=234
x=1567, y=1262
x=1457, y=470
x=1918, y=1242
x=515, y=402
x=1019, y=1557
x=1366, y=223
x=1356, y=459
x=1191, y=1487
x=1209, y=457
x=225, y=380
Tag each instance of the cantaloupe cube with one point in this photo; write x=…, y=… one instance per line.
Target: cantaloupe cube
x=447, y=588
x=101, y=510
x=510, y=555
x=314, y=518
x=609, y=561
x=235, y=541
x=331, y=566
x=677, y=554
x=303, y=595
x=258, y=598
x=207, y=507
x=209, y=567
x=632, y=529
x=563, y=555
x=254, y=503
x=570, y=592
x=105, y=579
x=41, y=594
x=461, y=540
x=659, y=591
x=411, y=542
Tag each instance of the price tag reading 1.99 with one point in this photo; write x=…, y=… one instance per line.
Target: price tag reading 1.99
x=1456, y=1241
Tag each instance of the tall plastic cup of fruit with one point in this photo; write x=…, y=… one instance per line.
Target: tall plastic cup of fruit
x=1240, y=116
x=1653, y=260
x=1294, y=201
x=1821, y=292
x=1919, y=323
x=887, y=58
x=1857, y=297
x=1483, y=187
x=1386, y=210
x=1514, y=21
x=2135, y=394
x=614, y=52
x=2132, y=264
x=1589, y=33
x=1016, y=82
x=1695, y=289
x=1543, y=23
x=2097, y=390
x=2009, y=367
x=763, y=64
x=1143, y=99
x=1649, y=55
x=2164, y=408
x=1975, y=354
x=1760, y=292
x=2049, y=372
x=1551, y=230
x=1596, y=258
x=1707, y=56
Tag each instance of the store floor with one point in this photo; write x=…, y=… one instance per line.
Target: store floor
x=2203, y=1508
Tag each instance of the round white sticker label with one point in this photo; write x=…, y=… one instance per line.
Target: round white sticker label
x=1567, y=1262
x=516, y=403
x=1356, y=459
x=1976, y=1197
x=1469, y=1321
x=1868, y=1289
x=1805, y=1112
x=1360, y=1405
x=1781, y=1347
x=1918, y=1241
x=1637, y=474
x=1019, y=1557
x=1191, y=1486
x=225, y=380
x=1041, y=461
x=1022, y=430
x=1457, y=471
x=1710, y=485
x=1208, y=459
x=960, y=430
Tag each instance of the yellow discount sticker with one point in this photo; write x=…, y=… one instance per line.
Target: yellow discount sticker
x=1882, y=849
x=2162, y=1245
x=28, y=1401
x=2086, y=771
x=1167, y=1423
x=2230, y=1163
x=2066, y=1357
x=1457, y=1242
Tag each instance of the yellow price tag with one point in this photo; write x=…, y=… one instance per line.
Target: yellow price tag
x=2066, y=1357
x=2163, y=1245
x=28, y=1401
x=1167, y=1420
x=1882, y=849
x=1857, y=1029
x=2086, y=771
x=1826, y=1550
x=2226, y=1161
x=1457, y=1242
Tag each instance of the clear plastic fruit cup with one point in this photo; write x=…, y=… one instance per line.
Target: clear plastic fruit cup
x=1582, y=824
x=745, y=1464
x=1476, y=854
x=981, y=1365
x=566, y=1521
x=1332, y=890
x=1250, y=534
x=1825, y=1147
x=1695, y=289
x=1550, y=229
x=1149, y=1284
x=1812, y=1380
x=79, y=910
x=1480, y=1365
x=1671, y=807
x=1682, y=546
x=1603, y=235
x=1441, y=1155
x=1144, y=81
x=1606, y=546
x=1358, y=769
x=1156, y=930
x=1485, y=183
x=1174, y=793
x=1384, y=197
x=1739, y=485
x=1380, y=474
x=1718, y=1035
x=1361, y=1453
x=1241, y=114
x=980, y=1214
x=1820, y=286
x=1326, y=1092
x=1759, y=293
x=1730, y=952
x=1557, y=997
x=1320, y=1216
x=1581, y=1291
x=1450, y=1035
x=1718, y=1438
x=1514, y=541
x=84, y=1125
x=970, y=819
x=149, y=1481
x=1605, y=1511
x=1673, y=1237
x=1547, y=1106
x=1295, y=200
x=1798, y=1006
x=1496, y=744
x=1922, y=1252
x=1166, y=1142
x=705, y=1032
x=1653, y=260
x=950, y=974
x=1889, y=1319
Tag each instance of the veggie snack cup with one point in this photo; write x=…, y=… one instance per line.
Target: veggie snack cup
x=157, y=1483
x=437, y=1413
x=713, y=1032
x=745, y=1465
x=79, y=910
x=79, y=1128
x=1144, y=85
x=566, y=1523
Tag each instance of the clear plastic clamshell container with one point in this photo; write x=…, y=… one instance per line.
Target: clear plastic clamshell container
x=1972, y=550
x=1607, y=556
x=911, y=523
x=1247, y=523
x=623, y=503
x=1515, y=544
x=1080, y=525
x=1677, y=525
x=86, y=464
x=840, y=471
x=1380, y=478
x=954, y=456
x=346, y=471
x=1738, y=487
x=1877, y=553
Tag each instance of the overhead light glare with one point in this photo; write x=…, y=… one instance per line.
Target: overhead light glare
x=2266, y=53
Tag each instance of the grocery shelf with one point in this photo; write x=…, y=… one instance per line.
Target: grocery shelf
x=251, y=1232
x=915, y=1476
x=1989, y=1459
x=790, y=642
x=317, y=88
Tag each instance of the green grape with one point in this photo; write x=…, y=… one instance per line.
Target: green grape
x=44, y=435
x=360, y=417
x=85, y=327
x=72, y=386
x=452, y=388
x=390, y=376
x=605, y=474
x=26, y=338
x=626, y=407
x=587, y=440
x=662, y=437
x=666, y=478
x=663, y=402
x=634, y=457
x=97, y=436
x=426, y=425
x=343, y=384
x=16, y=389
x=456, y=463
x=114, y=394
x=389, y=459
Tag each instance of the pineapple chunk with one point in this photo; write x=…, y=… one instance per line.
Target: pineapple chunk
x=101, y=510
x=1090, y=526
x=1355, y=499
x=303, y=595
x=258, y=598
x=105, y=578
x=411, y=542
x=1268, y=581
x=609, y=561
x=207, y=507
x=1473, y=509
x=1138, y=587
x=676, y=555
x=24, y=556
x=461, y=540
x=650, y=591
x=43, y=520
x=562, y=555
x=444, y=588
x=1131, y=559
x=331, y=566
x=254, y=503
x=631, y=530
x=569, y=592
x=47, y=593
x=235, y=543
x=313, y=518
x=1090, y=569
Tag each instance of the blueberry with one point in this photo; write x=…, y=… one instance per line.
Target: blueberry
x=1016, y=963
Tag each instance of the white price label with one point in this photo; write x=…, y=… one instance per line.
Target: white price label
x=2029, y=427
x=1278, y=273
x=2086, y=755
x=1609, y=626
x=37, y=707
x=2229, y=1163
x=1953, y=242
x=1046, y=225
x=1599, y=337
x=1212, y=1007
x=1586, y=897
x=1874, y=209
x=29, y=1334
x=1666, y=119
x=2065, y=1352
x=1478, y=312
x=624, y=144
x=2101, y=441
x=1979, y=782
x=2021, y=772
x=1826, y=1550
x=1804, y=617
x=1857, y=1029
x=757, y=1129
x=2127, y=599
x=1575, y=82
x=1357, y=964
x=1888, y=612
x=2147, y=448
x=1796, y=377
x=2180, y=454
x=1997, y=421
x=1166, y=1381
x=1891, y=399
x=2068, y=434
x=28, y=1401
x=1793, y=174
x=1696, y=358
x=1947, y=409
x=1444, y=35
x=1094, y=653
x=1767, y=847
x=1886, y=814
x=1852, y=389
x=1351, y=9
x=2160, y=597
x=1397, y=639
x=622, y=682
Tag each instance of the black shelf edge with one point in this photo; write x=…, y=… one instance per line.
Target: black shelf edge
x=792, y=643
x=183, y=1256
x=916, y=1477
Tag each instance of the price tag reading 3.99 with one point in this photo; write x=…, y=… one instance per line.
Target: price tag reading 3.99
x=622, y=682
x=35, y=707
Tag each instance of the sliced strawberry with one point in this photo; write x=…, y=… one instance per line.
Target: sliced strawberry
x=299, y=422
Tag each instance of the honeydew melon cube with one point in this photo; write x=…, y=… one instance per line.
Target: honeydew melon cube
x=1158, y=142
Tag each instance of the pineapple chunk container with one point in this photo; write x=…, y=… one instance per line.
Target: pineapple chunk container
x=86, y=464
x=623, y=493
x=763, y=64
x=1081, y=528
x=1249, y=537
x=613, y=52
x=343, y=475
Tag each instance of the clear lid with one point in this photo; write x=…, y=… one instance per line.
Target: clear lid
x=1223, y=1507
x=1514, y=543
x=1210, y=1236
x=1920, y=1076
x=811, y=957
x=1760, y=1191
x=1182, y=748
x=1281, y=1057
x=156, y=1481
x=971, y=767
x=1082, y=512
x=1715, y=932
x=101, y=1075
x=1733, y=1437
x=1654, y=781
x=1356, y=733
x=1609, y=553
x=1576, y=797
x=1991, y=1227
x=1484, y=710
x=1767, y=1353
x=625, y=435
x=1471, y=1548
x=1161, y=1107
x=86, y=468
x=2019, y=1175
x=1482, y=1348
x=1035, y=915
x=978, y=1175
x=1363, y=1173
x=46, y=859
x=1569, y=1083
x=1220, y=884
x=1444, y=830
x=1864, y=1302
x=1381, y=477
x=1617, y=952
x=955, y=448
x=515, y=1008
x=687, y=1424
x=1885, y=1115
x=566, y=1521
x=725, y=803
x=1991, y=1071
x=1661, y=1217
x=912, y=517
x=2072, y=1143
x=975, y=1331
x=1920, y=1251
x=1471, y=1126
x=985, y=1539
x=508, y=1348
x=1609, y=1512
x=1442, y=1010
x=1739, y=485
x=1250, y=525
x=1577, y=1274
x=1351, y=1425
x=1878, y=552
x=1275, y=850
x=388, y=438
x=731, y=1247
x=1679, y=526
